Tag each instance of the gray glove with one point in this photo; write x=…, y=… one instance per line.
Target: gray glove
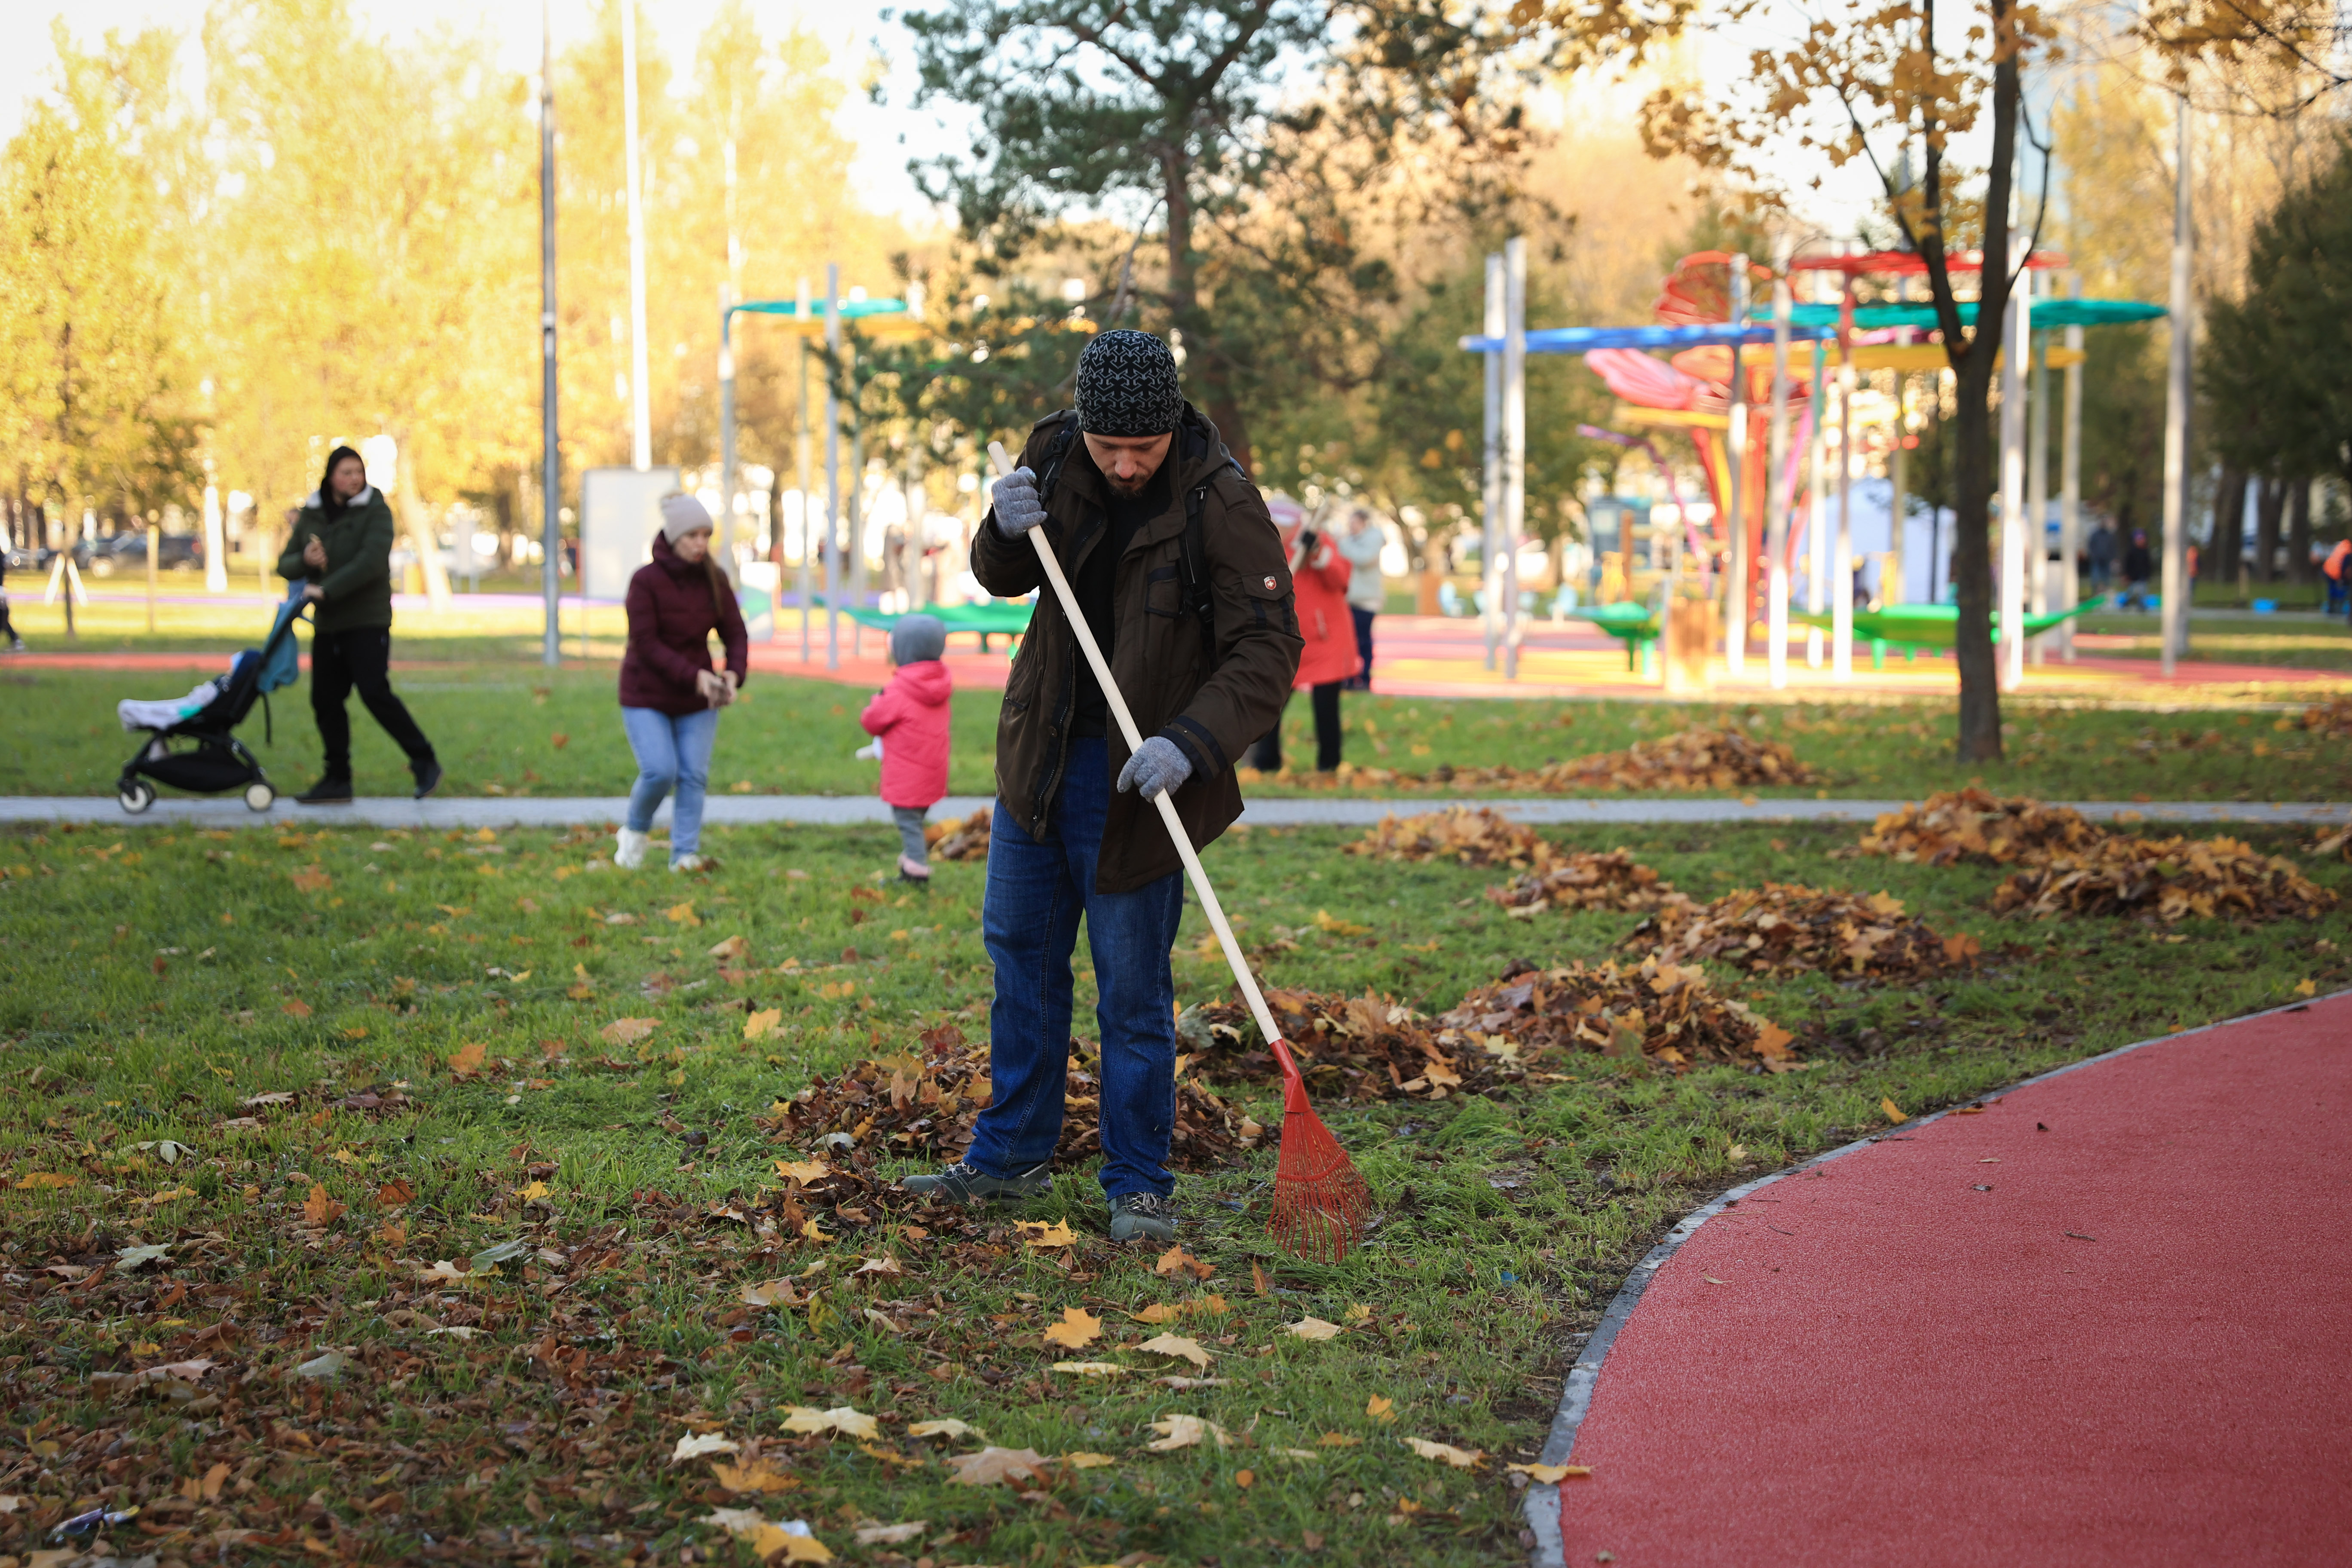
x=1160, y=764
x=1018, y=509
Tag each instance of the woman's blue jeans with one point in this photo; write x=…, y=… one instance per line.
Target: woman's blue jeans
x=673, y=754
x=1029, y=920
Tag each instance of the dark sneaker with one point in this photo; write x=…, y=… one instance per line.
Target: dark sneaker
x=1145, y=1215
x=965, y=1183
x=428, y=773
x=326, y=791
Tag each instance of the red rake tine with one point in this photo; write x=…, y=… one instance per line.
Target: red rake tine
x=1320, y=1198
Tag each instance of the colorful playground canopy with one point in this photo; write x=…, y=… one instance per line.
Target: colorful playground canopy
x=1584, y=339
x=2046, y=314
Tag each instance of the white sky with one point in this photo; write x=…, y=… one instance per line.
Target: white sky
x=851, y=27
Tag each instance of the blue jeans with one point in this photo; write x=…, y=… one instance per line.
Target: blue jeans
x=672, y=753
x=1029, y=920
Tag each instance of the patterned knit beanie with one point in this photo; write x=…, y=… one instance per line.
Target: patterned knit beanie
x=1126, y=385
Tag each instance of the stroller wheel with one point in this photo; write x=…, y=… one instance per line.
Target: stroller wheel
x=258, y=796
x=136, y=795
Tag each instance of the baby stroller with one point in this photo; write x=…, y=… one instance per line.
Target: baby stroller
x=191, y=740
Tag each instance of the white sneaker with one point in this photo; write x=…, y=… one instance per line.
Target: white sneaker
x=630, y=852
x=688, y=862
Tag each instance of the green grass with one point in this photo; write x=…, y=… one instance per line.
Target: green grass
x=496, y=726
x=2226, y=638
x=148, y=984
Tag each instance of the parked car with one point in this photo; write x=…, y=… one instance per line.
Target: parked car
x=127, y=551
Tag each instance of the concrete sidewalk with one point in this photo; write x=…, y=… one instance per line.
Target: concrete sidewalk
x=819, y=810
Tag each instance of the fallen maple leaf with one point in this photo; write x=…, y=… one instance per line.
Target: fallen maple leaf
x=759, y=1475
x=1038, y=1232
x=993, y=1465
x=1158, y=1313
x=776, y=1293
x=804, y=1170
x=1379, y=1407
x=683, y=914
x=1460, y=1458
x=297, y=1008
x=694, y=1444
x=274, y=1097
x=790, y=1542
x=1550, y=1475
x=1176, y=1260
x=2306, y=988
x=757, y=1026
x=733, y=947
x=1314, y=1329
x=1338, y=1440
x=945, y=1427
x=445, y=1273
x=1894, y=1112
x=1090, y=1368
x=880, y=1266
x=841, y=1418
x=395, y=1194
x=1184, y=1431
x=131, y=1258
x=1078, y=1328
x=1084, y=1460
x=465, y=1061
x=1177, y=1345
x=320, y=1208
x=627, y=1031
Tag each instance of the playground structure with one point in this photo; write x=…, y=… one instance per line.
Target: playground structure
x=1738, y=412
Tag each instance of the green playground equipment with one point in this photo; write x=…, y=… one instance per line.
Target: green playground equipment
x=1007, y=618
x=1638, y=626
x=1937, y=627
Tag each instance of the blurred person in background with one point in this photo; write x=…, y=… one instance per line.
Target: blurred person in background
x=1319, y=576
x=1361, y=545
x=670, y=697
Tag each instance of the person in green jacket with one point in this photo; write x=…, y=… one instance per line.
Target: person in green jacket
x=341, y=551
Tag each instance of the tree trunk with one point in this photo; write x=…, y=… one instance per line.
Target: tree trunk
x=2267, y=510
x=2298, y=532
x=1973, y=462
x=1212, y=389
x=2229, y=526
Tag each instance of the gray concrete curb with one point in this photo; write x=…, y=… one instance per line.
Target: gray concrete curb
x=821, y=810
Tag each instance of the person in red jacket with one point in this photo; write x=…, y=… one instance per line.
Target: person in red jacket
x=908, y=721
x=670, y=697
x=2333, y=570
x=1319, y=575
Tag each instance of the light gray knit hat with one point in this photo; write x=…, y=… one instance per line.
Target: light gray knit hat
x=681, y=515
x=917, y=638
x=1127, y=385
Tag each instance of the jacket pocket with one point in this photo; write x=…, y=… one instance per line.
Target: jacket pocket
x=1163, y=592
x=1268, y=602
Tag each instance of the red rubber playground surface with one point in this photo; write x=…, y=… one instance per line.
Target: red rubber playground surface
x=2107, y=1320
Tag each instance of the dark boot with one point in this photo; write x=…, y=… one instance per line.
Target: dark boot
x=428, y=774
x=328, y=791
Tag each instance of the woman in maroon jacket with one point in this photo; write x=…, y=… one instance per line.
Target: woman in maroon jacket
x=670, y=697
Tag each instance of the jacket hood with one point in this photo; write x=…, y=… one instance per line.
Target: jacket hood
x=670, y=561
x=367, y=493
x=927, y=681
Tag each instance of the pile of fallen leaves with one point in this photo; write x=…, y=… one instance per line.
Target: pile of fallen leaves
x=921, y=1105
x=964, y=839
x=1975, y=825
x=1656, y=1010
x=1369, y=1048
x=1471, y=835
x=2167, y=879
x=1785, y=929
x=2332, y=718
x=1689, y=760
x=1586, y=881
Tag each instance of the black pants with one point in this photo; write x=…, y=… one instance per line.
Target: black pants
x=1363, y=619
x=1267, y=755
x=8, y=631
x=362, y=658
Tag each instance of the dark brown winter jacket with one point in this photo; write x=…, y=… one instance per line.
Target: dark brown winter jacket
x=1157, y=659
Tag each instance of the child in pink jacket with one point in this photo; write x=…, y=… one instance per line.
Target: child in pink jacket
x=908, y=721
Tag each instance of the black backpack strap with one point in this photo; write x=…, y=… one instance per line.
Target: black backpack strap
x=1058, y=454
x=1193, y=557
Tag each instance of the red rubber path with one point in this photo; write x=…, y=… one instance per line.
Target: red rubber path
x=1896, y=1367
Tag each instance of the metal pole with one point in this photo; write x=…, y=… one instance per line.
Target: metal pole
x=641, y=436
x=1739, y=596
x=154, y=548
x=857, y=499
x=1777, y=497
x=1890, y=582
x=2176, y=411
x=1841, y=557
x=727, y=429
x=2037, y=482
x=1817, y=513
x=831, y=467
x=1514, y=439
x=2013, y=524
x=550, y=492
x=1491, y=491
x=800, y=314
x=2070, y=482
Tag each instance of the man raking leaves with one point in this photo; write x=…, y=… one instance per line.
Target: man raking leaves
x=1166, y=648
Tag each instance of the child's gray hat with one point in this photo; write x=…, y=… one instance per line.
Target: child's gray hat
x=917, y=638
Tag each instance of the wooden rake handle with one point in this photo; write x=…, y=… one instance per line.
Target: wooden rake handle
x=1118, y=704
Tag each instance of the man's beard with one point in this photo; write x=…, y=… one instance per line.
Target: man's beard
x=1130, y=487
